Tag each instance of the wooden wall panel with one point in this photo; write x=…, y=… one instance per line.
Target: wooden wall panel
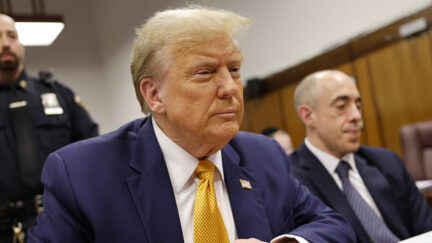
x=346, y=68
x=401, y=75
x=246, y=126
x=263, y=112
x=293, y=124
x=371, y=134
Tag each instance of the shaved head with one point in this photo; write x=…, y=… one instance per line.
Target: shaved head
x=4, y=17
x=329, y=105
x=309, y=89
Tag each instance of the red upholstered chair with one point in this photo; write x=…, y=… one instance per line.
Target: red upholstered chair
x=417, y=149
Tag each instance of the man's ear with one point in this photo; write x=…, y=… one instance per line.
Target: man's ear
x=307, y=115
x=150, y=91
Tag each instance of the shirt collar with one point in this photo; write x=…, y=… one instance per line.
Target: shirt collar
x=181, y=164
x=329, y=161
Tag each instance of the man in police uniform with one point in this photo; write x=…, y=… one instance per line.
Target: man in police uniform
x=37, y=116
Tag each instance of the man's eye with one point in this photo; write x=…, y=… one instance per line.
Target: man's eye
x=12, y=36
x=203, y=72
x=235, y=69
x=341, y=107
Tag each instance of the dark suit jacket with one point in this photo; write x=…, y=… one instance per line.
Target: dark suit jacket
x=116, y=188
x=404, y=209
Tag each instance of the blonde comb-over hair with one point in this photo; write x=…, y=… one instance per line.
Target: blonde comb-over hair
x=177, y=31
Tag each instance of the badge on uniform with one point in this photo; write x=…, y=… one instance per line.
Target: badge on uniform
x=51, y=104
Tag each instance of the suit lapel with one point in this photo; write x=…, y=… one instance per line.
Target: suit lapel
x=151, y=189
x=383, y=198
x=249, y=215
x=328, y=190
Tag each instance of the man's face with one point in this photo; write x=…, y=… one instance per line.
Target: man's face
x=338, y=115
x=202, y=94
x=11, y=50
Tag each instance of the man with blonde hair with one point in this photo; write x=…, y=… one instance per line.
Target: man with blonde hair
x=184, y=173
x=369, y=186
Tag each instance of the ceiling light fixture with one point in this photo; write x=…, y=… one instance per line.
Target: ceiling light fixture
x=36, y=29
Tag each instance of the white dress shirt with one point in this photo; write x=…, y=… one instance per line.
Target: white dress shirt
x=181, y=166
x=331, y=162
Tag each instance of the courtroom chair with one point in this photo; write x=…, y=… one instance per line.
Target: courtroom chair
x=417, y=149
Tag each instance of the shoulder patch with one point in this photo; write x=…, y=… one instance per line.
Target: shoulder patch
x=78, y=100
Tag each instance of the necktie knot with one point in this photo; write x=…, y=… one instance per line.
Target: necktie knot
x=342, y=169
x=205, y=170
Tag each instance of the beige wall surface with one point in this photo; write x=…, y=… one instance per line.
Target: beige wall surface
x=92, y=53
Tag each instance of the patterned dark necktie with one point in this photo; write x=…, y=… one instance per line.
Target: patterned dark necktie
x=29, y=162
x=372, y=223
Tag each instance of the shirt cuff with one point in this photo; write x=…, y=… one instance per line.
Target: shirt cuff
x=287, y=236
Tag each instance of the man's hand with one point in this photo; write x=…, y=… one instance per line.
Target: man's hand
x=250, y=240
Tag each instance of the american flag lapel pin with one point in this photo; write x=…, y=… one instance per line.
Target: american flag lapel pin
x=245, y=184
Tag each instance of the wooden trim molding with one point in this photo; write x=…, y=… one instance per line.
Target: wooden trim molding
x=355, y=48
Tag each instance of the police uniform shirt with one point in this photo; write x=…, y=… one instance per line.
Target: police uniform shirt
x=57, y=118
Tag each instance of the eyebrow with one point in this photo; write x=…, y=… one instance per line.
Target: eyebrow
x=204, y=63
x=237, y=57
x=344, y=98
x=210, y=61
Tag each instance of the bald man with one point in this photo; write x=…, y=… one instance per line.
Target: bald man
x=369, y=186
x=37, y=116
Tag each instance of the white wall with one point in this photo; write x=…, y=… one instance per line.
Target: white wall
x=92, y=54
x=116, y=23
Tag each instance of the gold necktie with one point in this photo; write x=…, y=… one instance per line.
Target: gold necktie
x=208, y=222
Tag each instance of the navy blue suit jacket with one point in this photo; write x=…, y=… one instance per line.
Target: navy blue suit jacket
x=116, y=188
x=403, y=208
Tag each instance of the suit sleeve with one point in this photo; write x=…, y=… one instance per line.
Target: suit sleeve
x=316, y=222
x=61, y=220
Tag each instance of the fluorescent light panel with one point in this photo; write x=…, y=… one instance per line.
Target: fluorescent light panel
x=38, y=33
